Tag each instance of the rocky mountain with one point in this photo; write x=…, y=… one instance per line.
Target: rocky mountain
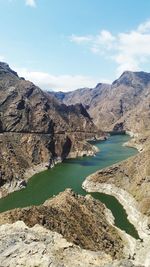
x=87, y=96
x=36, y=131
x=117, y=106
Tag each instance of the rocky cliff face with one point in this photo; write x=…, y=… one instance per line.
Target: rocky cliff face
x=35, y=130
x=117, y=106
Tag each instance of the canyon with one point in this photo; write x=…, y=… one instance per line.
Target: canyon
x=39, y=129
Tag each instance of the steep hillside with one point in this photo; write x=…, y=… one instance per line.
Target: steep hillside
x=36, y=131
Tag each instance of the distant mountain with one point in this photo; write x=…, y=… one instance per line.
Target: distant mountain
x=87, y=96
x=116, y=106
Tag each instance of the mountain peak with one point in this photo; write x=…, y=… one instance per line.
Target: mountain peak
x=129, y=78
x=4, y=68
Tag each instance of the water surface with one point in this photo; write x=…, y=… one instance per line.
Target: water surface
x=71, y=174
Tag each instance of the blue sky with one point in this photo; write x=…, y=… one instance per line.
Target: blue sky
x=67, y=44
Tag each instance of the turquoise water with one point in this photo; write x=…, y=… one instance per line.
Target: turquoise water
x=71, y=174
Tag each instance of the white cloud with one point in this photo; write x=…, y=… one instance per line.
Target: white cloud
x=104, y=38
x=144, y=27
x=2, y=58
x=128, y=49
x=31, y=3
x=64, y=83
x=80, y=39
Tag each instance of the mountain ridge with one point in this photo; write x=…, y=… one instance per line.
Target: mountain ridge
x=112, y=106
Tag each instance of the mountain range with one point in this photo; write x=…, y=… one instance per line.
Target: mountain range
x=118, y=106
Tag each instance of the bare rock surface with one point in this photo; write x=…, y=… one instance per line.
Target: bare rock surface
x=23, y=246
x=81, y=220
x=39, y=247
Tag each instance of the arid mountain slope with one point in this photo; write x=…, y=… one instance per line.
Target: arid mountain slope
x=36, y=130
x=26, y=108
x=116, y=106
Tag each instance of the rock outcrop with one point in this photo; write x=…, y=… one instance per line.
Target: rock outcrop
x=35, y=130
x=81, y=220
x=32, y=247
x=23, y=246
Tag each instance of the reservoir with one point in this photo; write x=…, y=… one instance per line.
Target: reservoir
x=71, y=174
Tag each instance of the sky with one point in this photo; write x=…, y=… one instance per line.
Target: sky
x=69, y=44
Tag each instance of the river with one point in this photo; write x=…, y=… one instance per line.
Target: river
x=71, y=174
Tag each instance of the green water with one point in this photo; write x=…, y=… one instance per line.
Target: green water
x=71, y=174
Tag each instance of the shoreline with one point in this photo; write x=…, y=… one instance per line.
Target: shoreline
x=133, y=142
x=16, y=185
x=129, y=242
x=139, y=250
x=130, y=205
x=140, y=221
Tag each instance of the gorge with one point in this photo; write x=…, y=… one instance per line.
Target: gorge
x=39, y=129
